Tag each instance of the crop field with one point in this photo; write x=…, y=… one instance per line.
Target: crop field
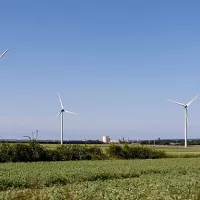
x=179, y=150
x=171, y=178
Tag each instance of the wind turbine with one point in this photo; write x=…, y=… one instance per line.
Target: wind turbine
x=62, y=117
x=3, y=53
x=186, y=115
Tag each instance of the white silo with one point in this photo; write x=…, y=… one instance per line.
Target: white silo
x=106, y=139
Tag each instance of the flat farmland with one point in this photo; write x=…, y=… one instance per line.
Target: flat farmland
x=170, y=178
x=193, y=150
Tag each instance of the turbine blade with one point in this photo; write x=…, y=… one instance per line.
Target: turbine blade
x=3, y=53
x=70, y=112
x=192, y=100
x=182, y=104
x=60, y=101
x=57, y=116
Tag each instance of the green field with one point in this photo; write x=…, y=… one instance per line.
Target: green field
x=169, y=178
x=179, y=150
x=177, y=178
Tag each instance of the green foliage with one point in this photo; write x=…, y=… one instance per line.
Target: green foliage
x=6, y=152
x=52, y=155
x=95, y=153
x=33, y=151
x=134, y=151
x=22, y=152
x=78, y=152
x=115, y=151
x=73, y=152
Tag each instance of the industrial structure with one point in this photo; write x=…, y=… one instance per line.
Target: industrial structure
x=106, y=139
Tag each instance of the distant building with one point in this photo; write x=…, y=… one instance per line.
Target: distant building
x=106, y=139
x=175, y=144
x=115, y=141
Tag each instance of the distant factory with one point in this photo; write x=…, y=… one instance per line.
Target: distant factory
x=107, y=140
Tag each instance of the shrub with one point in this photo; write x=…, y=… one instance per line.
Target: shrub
x=52, y=155
x=132, y=151
x=28, y=152
x=6, y=152
x=95, y=153
x=38, y=152
x=21, y=153
x=78, y=152
x=33, y=151
x=115, y=151
x=72, y=152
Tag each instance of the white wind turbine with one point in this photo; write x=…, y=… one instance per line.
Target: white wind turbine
x=61, y=113
x=186, y=115
x=3, y=53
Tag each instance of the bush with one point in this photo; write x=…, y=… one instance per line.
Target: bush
x=72, y=152
x=115, y=151
x=52, y=155
x=6, y=152
x=132, y=151
x=28, y=152
x=22, y=152
x=95, y=153
x=78, y=152
x=33, y=151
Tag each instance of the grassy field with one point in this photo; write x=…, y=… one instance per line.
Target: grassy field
x=111, y=179
x=169, y=178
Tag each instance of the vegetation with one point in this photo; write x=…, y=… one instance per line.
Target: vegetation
x=104, y=179
x=134, y=151
x=158, y=141
x=175, y=142
x=109, y=176
x=35, y=152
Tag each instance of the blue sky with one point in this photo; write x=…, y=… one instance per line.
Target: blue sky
x=114, y=62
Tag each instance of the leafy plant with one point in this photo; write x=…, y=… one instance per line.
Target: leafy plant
x=134, y=151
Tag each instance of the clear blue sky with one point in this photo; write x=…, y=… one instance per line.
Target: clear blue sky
x=114, y=62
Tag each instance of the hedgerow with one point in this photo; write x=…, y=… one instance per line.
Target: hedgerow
x=133, y=151
x=33, y=152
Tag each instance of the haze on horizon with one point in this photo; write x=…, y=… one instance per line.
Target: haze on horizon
x=114, y=62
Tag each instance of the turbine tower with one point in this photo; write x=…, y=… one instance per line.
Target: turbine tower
x=3, y=53
x=186, y=115
x=62, y=117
